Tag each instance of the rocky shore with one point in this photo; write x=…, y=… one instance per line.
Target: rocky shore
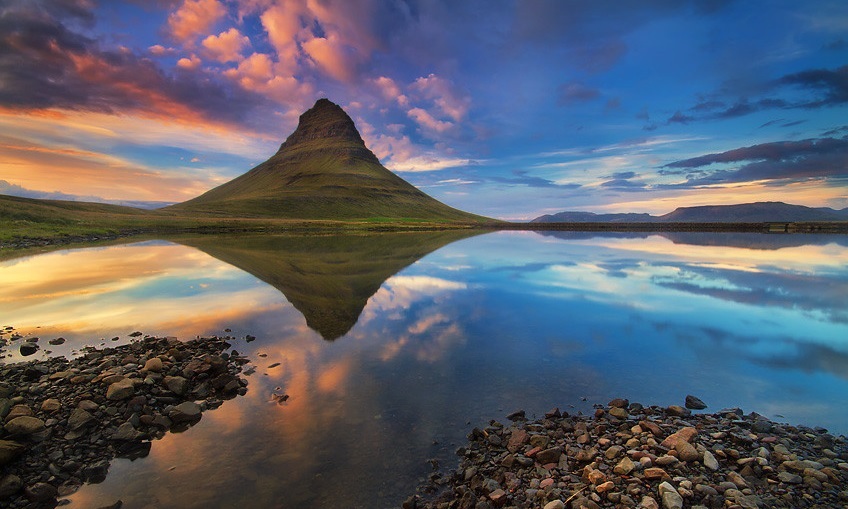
x=65, y=420
x=627, y=455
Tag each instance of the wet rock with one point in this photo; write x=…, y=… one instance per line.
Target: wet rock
x=694, y=403
x=126, y=432
x=176, y=384
x=28, y=349
x=187, y=411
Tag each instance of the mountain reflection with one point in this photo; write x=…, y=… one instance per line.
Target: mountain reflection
x=329, y=279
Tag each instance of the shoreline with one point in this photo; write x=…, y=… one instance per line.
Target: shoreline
x=64, y=421
x=628, y=455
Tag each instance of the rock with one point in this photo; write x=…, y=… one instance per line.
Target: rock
x=51, y=405
x=656, y=473
x=605, y=487
x=153, y=365
x=185, y=412
x=9, y=451
x=24, y=425
x=671, y=499
x=518, y=415
x=687, y=451
x=619, y=403
x=18, y=411
x=79, y=419
x=624, y=467
x=683, y=435
x=126, y=432
x=789, y=478
x=498, y=497
x=618, y=413
x=695, y=403
x=555, y=504
x=121, y=390
x=677, y=411
x=549, y=455
x=40, y=492
x=517, y=440
x=28, y=349
x=710, y=461
x=116, y=505
x=737, y=479
x=648, y=503
x=9, y=485
x=176, y=384
x=56, y=341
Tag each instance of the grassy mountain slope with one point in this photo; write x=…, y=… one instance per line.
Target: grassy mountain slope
x=323, y=171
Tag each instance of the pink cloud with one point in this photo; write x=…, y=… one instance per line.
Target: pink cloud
x=444, y=95
x=226, y=46
x=158, y=50
x=195, y=17
x=391, y=91
x=190, y=63
x=259, y=73
x=332, y=57
x=428, y=122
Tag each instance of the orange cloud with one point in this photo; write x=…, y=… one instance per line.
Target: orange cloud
x=191, y=63
x=330, y=55
x=227, y=46
x=195, y=17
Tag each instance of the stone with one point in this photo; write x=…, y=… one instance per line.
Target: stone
x=79, y=419
x=51, y=405
x=176, y=384
x=683, y=435
x=185, y=412
x=555, y=504
x=153, y=365
x=618, y=413
x=624, y=467
x=126, y=432
x=677, y=411
x=694, y=403
x=789, y=478
x=652, y=427
x=687, y=451
x=24, y=425
x=549, y=455
x=613, y=452
x=498, y=497
x=656, y=473
x=28, y=349
x=9, y=485
x=619, y=403
x=648, y=503
x=18, y=411
x=710, y=461
x=40, y=492
x=671, y=499
x=9, y=451
x=605, y=487
x=121, y=390
x=737, y=479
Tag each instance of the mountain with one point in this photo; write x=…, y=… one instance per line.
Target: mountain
x=323, y=171
x=759, y=212
x=329, y=279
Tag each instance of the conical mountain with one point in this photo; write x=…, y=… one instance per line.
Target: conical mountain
x=323, y=171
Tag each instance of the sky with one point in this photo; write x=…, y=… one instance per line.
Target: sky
x=510, y=109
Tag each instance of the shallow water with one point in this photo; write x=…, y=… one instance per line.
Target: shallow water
x=393, y=347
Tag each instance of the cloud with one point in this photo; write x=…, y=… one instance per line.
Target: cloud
x=157, y=50
x=194, y=18
x=227, y=46
x=189, y=63
x=427, y=122
x=575, y=92
x=811, y=158
x=391, y=91
x=333, y=57
x=809, y=89
x=444, y=95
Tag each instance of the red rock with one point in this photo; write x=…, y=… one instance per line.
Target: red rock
x=517, y=440
x=656, y=473
x=682, y=435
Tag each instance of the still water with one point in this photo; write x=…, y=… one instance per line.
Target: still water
x=392, y=347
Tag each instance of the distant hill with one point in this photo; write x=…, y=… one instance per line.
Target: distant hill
x=322, y=171
x=759, y=212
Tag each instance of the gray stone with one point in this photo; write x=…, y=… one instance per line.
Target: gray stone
x=549, y=455
x=126, y=432
x=648, y=503
x=555, y=504
x=79, y=419
x=789, y=478
x=710, y=461
x=624, y=467
x=123, y=389
x=9, y=451
x=24, y=425
x=185, y=412
x=671, y=499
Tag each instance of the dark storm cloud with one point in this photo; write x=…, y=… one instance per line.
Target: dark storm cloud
x=820, y=88
x=813, y=158
x=45, y=62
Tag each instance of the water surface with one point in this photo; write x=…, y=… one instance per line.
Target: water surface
x=392, y=347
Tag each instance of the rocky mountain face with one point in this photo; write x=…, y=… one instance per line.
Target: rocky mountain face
x=323, y=171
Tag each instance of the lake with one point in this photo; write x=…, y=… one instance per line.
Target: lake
x=393, y=347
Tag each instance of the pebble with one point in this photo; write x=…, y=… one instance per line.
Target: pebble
x=599, y=461
x=97, y=406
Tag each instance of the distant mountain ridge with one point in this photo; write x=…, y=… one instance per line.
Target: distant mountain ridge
x=758, y=212
x=323, y=171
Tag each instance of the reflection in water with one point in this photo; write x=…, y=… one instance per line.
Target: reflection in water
x=472, y=331
x=327, y=278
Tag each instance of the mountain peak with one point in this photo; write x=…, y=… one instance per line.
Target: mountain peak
x=326, y=120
